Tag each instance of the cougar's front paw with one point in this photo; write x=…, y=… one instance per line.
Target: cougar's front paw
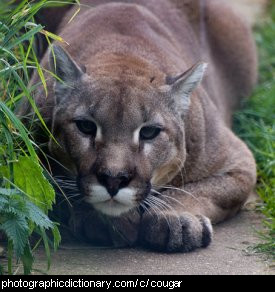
x=172, y=233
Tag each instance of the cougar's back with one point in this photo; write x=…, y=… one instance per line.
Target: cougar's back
x=172, y=35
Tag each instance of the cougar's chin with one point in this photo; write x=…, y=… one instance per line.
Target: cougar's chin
x=112, y=208
x=121, y=203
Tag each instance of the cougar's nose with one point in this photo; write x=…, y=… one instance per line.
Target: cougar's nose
x=114, y=183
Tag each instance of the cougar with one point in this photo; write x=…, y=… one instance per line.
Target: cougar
x=140, y=107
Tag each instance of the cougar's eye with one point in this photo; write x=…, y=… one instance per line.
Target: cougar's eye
x=86, y=127
x=149, y=133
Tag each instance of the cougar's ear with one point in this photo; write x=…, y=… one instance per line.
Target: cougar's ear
x=65, y=68
x=181, y=87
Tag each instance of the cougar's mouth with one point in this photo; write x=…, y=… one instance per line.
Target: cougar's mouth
x=122, y=202
x=126, y=199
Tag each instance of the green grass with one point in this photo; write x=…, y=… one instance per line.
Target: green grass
x=25, y=194
x=255, y=124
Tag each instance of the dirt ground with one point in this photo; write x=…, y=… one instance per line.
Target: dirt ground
x=229, y=254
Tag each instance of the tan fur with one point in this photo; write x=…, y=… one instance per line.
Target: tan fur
x=129, y=50
x=250, y=10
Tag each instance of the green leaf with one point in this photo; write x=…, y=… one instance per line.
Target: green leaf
x=1, y=270
x=3, y=201
x=28, y=177
x=25, y=194
x=8, y=192
x=16, y=228
x=53, y=36
x=47, y=247
x=24, y=37
x=27, y=259
x=56, y=237
x=37, y=216
x=19, y=126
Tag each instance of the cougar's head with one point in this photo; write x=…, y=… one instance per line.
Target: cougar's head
x=120, y=132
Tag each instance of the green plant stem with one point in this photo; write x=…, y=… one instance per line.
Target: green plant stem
x=10, y=253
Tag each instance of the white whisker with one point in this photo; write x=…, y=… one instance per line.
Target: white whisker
x=167, y=205
x=145, y=208
x=69, y=197
x=156, y=192
x=175, y=200
x=181, y=190
x=158, y=211
x=164, y=205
